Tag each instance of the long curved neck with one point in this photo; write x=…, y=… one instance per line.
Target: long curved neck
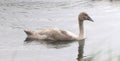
x=81, y=29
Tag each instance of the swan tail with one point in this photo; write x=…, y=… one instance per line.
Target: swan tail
x=28, y=32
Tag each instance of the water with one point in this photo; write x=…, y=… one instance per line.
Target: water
x=102, y=35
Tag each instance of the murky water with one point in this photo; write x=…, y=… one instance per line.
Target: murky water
x=102, y=35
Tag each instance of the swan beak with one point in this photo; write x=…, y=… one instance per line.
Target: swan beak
x=90, y=19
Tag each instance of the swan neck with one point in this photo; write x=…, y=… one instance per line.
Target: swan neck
x=81, y=29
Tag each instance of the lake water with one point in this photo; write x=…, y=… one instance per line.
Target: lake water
x=101, y=36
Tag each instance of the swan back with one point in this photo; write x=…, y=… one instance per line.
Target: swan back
x=51, y=35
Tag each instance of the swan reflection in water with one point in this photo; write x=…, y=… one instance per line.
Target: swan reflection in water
x=61, y=44
x=49, y=43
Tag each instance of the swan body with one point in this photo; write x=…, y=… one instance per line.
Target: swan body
x=53, y=34
x=56, y=34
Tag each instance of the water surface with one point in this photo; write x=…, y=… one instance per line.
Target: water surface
x=102, y=35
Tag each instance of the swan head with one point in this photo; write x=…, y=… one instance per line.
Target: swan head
x=84, y=16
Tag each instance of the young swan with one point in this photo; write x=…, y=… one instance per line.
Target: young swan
x=58, y=34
